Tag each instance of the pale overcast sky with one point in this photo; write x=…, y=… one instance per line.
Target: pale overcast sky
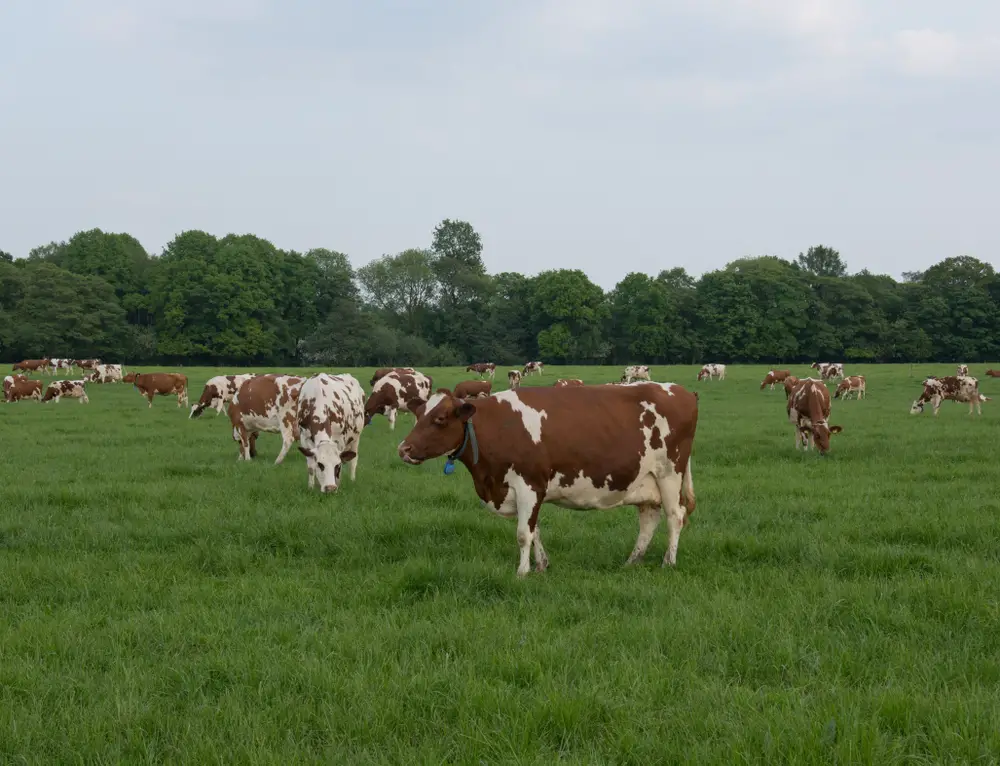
x=610, y=135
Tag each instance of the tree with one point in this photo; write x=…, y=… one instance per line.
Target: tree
x=5, y=256
x=459, y=242
x=567, y=304
x=822, y=261
x=402, y=285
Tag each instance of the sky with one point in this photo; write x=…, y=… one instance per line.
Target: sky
x=607, y=135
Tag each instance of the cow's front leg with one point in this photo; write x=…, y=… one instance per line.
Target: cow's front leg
x=391, y=416
x=528, y=504
x=286, y=444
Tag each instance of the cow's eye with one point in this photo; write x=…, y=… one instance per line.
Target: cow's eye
x=321, y=466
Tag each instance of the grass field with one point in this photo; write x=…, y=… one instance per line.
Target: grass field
x=162, y=602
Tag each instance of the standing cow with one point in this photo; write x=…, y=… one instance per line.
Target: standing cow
x=266, y=403
x=712, y=371
x=18, y=387
x=331, y=416
x=635, y=372
x=473, y=389
x=396, y=391
x=382, y=372
x=218, y=392
x=72, y=389
x=105, y=373
x=589, y=447
x=514, y=379
x=828, y=370
x=808, y=409
x=151, y=384
x=952, y=388
x=533, y=368
x=31, y=365
x=963, y=370
x=774, y=376
x=852, y=384
x=483, y=368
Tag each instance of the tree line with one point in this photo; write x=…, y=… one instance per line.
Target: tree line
x=239, y=300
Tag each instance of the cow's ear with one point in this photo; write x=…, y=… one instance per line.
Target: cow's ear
x=836, y=429
x=348, y=456
x=305, y=451
x=465, y=410
x=417, y=407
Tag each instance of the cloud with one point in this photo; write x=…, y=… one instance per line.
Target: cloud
x=931, y=53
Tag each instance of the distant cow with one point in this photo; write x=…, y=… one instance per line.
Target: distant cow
x=18, y=387
x=31, y=365
x=382, y=372
x=808, y=409
x=330, y=416
x=266, y=403
x=54, y=365
x=774, y=376
x=526, y=448
x=218, y=392
x=963, y=370
x=712, y=371
x=993, y=373
x=852, y=384
x=533, y=368
x=635, y=372
x=954, y=388
x=473, y=389
x=72, y=389
x=152, y=384
x=85, y=364
x=514, y=379
x=828, y=370
x=567, y=383
x=396, y=391
x=105, y=373
x=483, y=368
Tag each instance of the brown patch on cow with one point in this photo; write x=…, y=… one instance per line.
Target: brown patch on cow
x=993, y=373
x=22, y=388
x=469, y=389
x=567, y=383
x=808, y=408
x=382, y=372
x=774, y=376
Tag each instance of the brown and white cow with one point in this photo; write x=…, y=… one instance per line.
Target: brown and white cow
x=72, y=389
x=396, y=391
x=383, y=371
x=331, y=416
x=993, y=373
x=953, y=388
x=266, y=403
x=808, y=409
x=18, y=387
x=774, y=376
x=31, y=365
x=55, y=365
x=568, y=383
x=963, y=370
x=514, y=379
x=483, y=368
x=85, y=364
x=473, y=389
x=852, y=384
x=105, y=373
x=828, y=370
x=789, y=383
x=218, y=392
x=129, y=377
x=588, y=447
x=635, y=372
x=533, y=368
x=712, y=371
x=152, y=384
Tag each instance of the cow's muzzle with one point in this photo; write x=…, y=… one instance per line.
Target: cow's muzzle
x=405, y=452
x=328, y=488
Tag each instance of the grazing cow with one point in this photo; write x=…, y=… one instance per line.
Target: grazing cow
x=105, y=373
x=59, y=364
x=963, y=370
x=956, y=388
x=588, y=447
x=382, y=372
x=73, y=389
x=218, y=392
x=993, y=373
x=86, y=364
x=152, y=384
x=772, y=377
x=532, y=367
x=828, y=370
x=789, y=383
x=266, y=403
x=514, y=379
x=473, y=389
x=397, y=391
x=483, y=368
x=852, y=384
x=18, y=387
x=331, y=416
x=711, y=371
x=808, y=409
x=568, y=383
x=31, y=365
x=635, y=372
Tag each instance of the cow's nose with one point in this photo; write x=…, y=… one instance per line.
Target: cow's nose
x=329, y=488
x=403, y=449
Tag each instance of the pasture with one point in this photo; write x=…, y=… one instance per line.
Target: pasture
x=163, y=602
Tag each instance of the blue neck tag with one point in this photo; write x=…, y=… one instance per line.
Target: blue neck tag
x=449, y=467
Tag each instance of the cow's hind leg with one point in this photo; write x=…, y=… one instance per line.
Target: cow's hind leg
x=649, y=520
x=541, y=557
x=670, y=496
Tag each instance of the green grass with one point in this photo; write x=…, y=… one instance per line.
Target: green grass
x=162, y=602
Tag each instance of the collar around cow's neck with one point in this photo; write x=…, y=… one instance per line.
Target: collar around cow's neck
x=468, y=438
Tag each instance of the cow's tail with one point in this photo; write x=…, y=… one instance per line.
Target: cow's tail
x=687, y=489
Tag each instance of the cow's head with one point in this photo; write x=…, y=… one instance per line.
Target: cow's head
x=380, y=402
x=821, y=432
x=440, y=430
x=844, y=386
x=50, y=394
x=325, y=461
x=209, y=398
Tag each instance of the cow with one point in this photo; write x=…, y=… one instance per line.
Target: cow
x=635, y=372
x=483, y=368
x=31, y=365
x=130, y=377
x=533, y=367
x=808, y=408
x=105, y=373
x=963, y=370
x=772, y=377
x=711, y=371
x=330, y=416
x=18, y=387
x=514, y=379
x=473, y=389
x=789, y=383
x=568, y=383
x=266, y=403
x=396, y=391
x=852, y=384
x=382, y=372
x=218, y=392
x=993, y=373
x=151, y=384
x=956, y=388
x=828, y=370
x=73, y=389
x=85, y=364
x=54, y=365
x=586, y=448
